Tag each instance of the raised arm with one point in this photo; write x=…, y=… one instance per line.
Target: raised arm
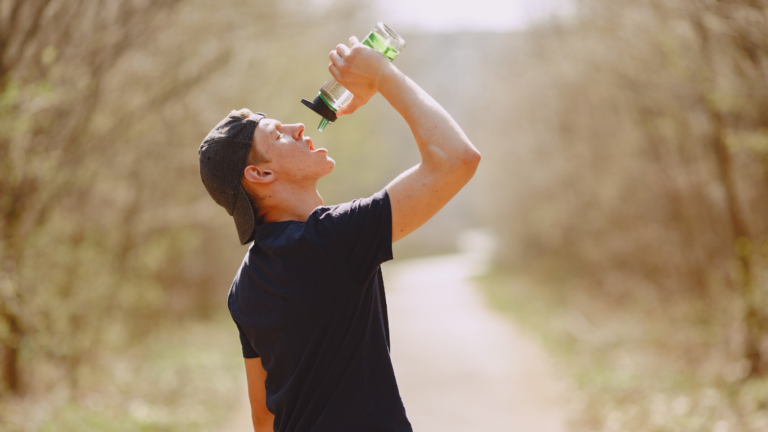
x=448, y=158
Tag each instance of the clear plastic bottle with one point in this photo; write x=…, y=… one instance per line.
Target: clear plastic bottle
x=333, y=95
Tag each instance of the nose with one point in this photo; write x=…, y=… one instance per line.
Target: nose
x=298, y=131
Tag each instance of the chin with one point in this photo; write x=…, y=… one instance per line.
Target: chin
x=328, y=167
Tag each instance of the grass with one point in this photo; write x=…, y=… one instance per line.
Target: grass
x=185, y=378
x=639, y=359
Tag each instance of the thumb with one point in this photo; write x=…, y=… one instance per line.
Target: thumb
x=350, y=107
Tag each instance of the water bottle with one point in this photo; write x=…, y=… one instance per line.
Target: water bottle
x=333, y=95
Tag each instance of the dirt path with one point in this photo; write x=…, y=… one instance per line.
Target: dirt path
x=459, y=366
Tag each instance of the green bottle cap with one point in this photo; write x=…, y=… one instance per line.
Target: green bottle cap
x=323, y=123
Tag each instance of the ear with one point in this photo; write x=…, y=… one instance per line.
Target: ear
x=258, y=175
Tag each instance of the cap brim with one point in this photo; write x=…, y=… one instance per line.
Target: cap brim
x=245, y=220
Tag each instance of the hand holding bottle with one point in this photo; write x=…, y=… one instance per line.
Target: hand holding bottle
x=360, y=70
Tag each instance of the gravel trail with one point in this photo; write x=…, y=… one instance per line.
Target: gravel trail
x=460, y=366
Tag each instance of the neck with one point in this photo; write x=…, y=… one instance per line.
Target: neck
x=287, y=202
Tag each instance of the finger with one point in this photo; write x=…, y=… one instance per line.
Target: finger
x=334, y=71
x=335, y=58
x=342, y=49
x=350, y=107
x=353, y=41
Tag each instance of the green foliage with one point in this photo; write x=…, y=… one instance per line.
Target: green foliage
x=638, y=360
x=640, y=128
x=107, y=237
x=751, y=141
x=181, y=378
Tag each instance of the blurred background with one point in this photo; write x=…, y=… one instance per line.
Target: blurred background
x=624, y=178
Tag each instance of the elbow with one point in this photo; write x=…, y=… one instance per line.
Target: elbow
x=473, y=157
x=470, y=160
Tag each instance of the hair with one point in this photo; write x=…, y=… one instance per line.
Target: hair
x=255, y=157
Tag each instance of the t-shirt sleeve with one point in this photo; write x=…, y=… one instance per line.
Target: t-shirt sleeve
x=248, y=351
x=358, y=234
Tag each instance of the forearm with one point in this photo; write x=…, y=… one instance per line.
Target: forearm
x=263, y=423
x=442, y=144
x=448, y=159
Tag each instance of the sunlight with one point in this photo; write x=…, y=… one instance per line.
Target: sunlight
x=448, y=16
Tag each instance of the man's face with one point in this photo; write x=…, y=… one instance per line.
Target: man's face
x=291, y=155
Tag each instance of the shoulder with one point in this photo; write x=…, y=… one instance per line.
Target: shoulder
x=355, y=222
x=379, y=199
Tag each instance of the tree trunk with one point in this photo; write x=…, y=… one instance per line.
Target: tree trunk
x=10, y=352
x=694, y=257
x=741, y=242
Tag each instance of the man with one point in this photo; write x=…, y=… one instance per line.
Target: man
x=308, y=299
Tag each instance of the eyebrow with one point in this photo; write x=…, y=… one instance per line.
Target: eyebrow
x=272, y=127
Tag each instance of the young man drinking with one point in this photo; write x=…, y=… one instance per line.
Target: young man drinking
x=308, y=299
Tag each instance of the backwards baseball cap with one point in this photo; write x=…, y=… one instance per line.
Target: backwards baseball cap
x=223, y=156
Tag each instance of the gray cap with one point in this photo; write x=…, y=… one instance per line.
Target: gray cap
x=223, y=156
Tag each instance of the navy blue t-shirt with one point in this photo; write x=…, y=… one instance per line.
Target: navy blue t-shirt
x=309, y=300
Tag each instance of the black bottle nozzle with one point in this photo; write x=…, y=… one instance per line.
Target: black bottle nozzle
x=319, y=106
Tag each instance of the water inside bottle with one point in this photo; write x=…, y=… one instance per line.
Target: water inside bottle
x=380, y=44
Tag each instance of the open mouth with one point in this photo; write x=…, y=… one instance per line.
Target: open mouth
x=311, y=146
